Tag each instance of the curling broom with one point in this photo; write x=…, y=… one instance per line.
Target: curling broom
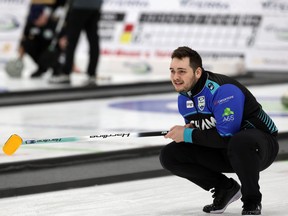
x=15, y=141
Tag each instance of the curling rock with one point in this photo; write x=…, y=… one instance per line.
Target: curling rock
x=284, y=99
x=14, y=68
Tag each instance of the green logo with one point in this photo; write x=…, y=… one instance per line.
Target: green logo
x=227, y=112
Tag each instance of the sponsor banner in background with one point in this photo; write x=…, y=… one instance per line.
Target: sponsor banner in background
x=144, y=30
x=273, y=34
x=13, y=15
x=139, y=35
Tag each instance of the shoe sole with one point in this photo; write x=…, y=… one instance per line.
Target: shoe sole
x=234, y=198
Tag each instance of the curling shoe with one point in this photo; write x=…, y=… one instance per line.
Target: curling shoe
x=60, y=79
x=222, y=198
x=37, y=74
x=252, y=209
x=90, y=82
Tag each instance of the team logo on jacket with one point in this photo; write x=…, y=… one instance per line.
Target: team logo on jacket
x=189, y=104
x=228, y=115
x=211, y=86
x=201, y=102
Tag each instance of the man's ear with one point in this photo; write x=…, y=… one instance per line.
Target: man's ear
x=198, y=72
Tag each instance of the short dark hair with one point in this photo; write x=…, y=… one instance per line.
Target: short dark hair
x=194, y=57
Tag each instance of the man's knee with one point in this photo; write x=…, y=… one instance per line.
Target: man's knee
x=167, y=156
x=242, y=144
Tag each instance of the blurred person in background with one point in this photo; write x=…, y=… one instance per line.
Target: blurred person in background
x=38, y=34
x=83, y=15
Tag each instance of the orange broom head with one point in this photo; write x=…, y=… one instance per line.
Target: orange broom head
x=12, y=144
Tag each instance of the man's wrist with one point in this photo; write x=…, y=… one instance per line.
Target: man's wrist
x=188, y=135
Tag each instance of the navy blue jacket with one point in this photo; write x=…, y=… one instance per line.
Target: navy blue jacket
x=219, y=106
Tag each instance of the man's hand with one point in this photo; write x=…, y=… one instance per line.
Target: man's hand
x=190, y=125
x=176, y=133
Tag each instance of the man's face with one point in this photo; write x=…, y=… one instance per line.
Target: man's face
x=182, y=75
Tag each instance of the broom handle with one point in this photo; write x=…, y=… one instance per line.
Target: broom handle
x=93, y=137
x=59, y=25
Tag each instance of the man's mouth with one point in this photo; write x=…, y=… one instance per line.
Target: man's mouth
x=178, y=83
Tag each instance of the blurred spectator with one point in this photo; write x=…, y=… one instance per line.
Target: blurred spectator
x=83, y=15
x=38, y=34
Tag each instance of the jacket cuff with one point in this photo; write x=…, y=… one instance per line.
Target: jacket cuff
x=188, y=135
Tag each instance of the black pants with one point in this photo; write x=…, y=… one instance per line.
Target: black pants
x=78, y=20
x=35, y=48
x=248, y=153
x=36, y=42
